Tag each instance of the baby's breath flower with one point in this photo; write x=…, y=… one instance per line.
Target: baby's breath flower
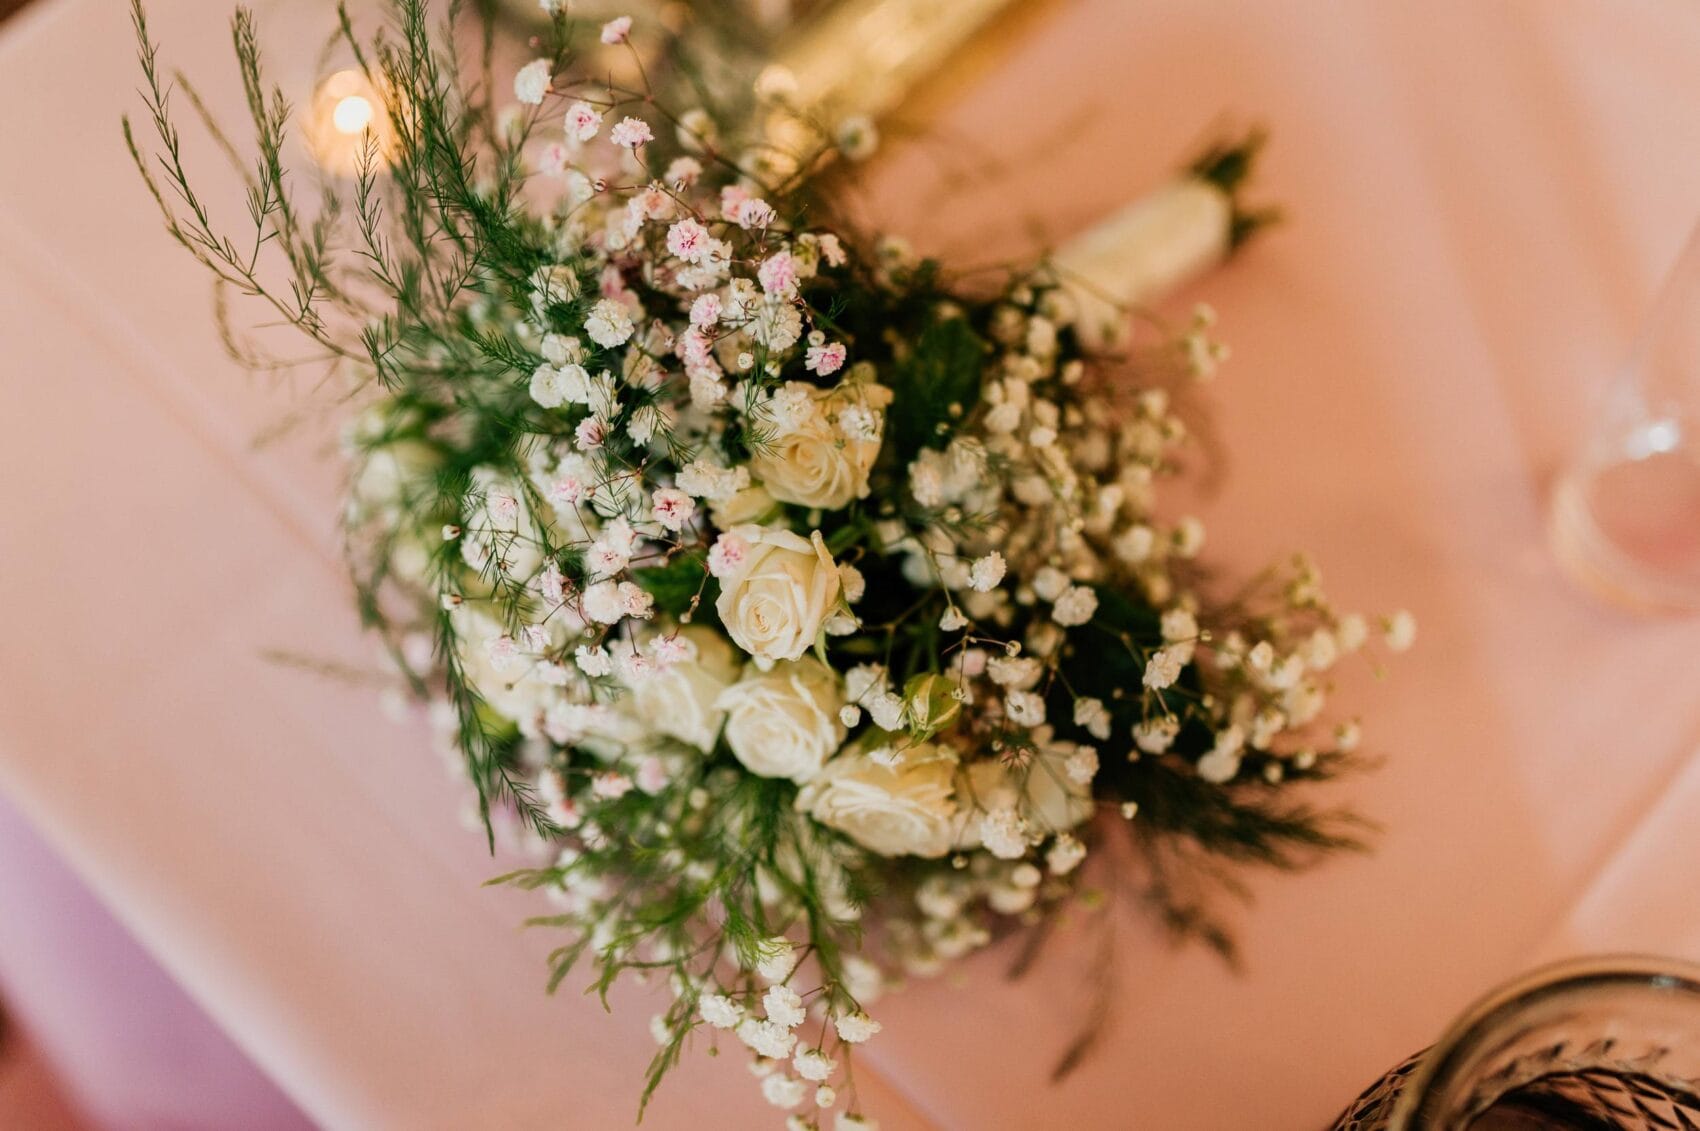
x=631, y=133
x=1065, y=855
x=1189, y=537
x=1400, y=630
x=583, y=121
x=1075, y=606
x=1025, y=708
x=1004, y=834
x=986, y=572
x=857, y=138
x=1162, y=669
x=608, y=323
x=825, y=359
x=855, y=1028
x=690, y=241
x=768, y=1038
x=531, y=83
x=672, y=508
x=1156, y=735
x=1351, y=632
x=1090, y=714
x=783, y=1006
x=812, y=1064
x=776, y=958
x=720, y=1011
x=778, y=275
x=783, y=1091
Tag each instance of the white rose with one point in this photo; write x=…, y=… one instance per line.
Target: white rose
x=784, y=723
x=816, y=463
x=1042, y=794
x=773, y=606
x=751, y=504
x=513, y=690
x=680, y=700
x=906, y=810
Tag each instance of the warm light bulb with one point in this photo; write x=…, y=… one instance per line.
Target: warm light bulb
x=347, y=116
x=352, y=115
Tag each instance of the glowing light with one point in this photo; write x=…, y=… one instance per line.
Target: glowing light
x=346, y=116
x=352, y=115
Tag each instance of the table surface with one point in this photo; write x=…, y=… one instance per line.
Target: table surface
x=1481, y=198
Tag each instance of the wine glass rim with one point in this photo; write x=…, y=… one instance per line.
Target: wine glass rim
x=1543, y=982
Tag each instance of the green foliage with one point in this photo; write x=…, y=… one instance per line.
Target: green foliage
x=1228, y=166
x=682, y=586
x=936, y=385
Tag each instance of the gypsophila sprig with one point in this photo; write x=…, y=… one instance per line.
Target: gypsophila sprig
x=813, y=612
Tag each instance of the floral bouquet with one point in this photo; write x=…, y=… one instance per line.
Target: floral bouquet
x=812, y=610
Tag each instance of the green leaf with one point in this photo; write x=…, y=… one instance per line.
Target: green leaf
x=935, y=386
x=929, y=704
x=678, y=585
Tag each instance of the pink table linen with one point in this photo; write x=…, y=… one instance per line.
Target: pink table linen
x=140, y=1055
x=1482, y=198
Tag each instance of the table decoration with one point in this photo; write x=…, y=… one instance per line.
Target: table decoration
x=811, y=610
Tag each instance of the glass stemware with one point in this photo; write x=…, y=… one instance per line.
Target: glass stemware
x=1625, y=517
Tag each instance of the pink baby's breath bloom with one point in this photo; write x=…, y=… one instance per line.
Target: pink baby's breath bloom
x=636, y=667
x=694, y=348
x=672, y=508
x=654, y=202
x=825, y=359
x=683, y=172
x=568, y=488
x=552, y=584
x=591, y=433
x=727, y=554
x=617, y=30
x=671, y=649
x=755, y=213
x=635, y=601
x=732, y=201
x=631, y=133
x=610, y=784
x=503, y=506
x=583, y=121
x=502, y=652
x=565, y=813
x=552, y=160
x=688, y=240
x=652, y=776
x=832, y=251
x=705, y=311
x=593, y=660
x=778, y=275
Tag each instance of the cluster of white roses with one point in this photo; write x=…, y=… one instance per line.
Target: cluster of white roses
x=702, y=561
x=804, y=608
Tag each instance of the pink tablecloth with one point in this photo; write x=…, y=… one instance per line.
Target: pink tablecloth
x=1481, y=198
